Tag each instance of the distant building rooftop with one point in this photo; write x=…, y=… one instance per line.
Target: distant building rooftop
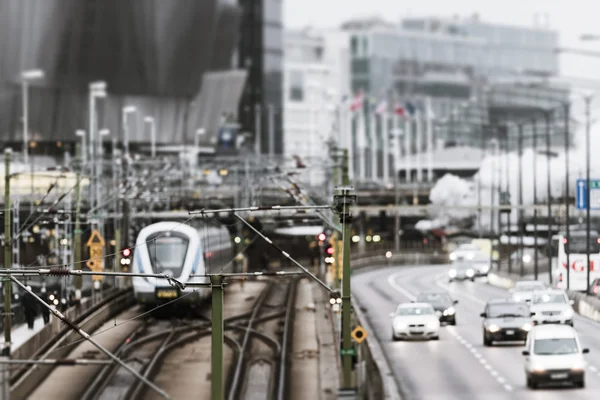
x=450, y=158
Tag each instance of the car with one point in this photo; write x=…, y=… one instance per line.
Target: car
x=442, y=303
x=551, y=307
x=465, y=252
x=415, y=321
x=505, y=320
x=595, y=287
x=460, y=271
x=554, y=354
x=481, y=264
x=523, y=290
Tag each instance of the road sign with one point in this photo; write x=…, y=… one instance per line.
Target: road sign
x=581, y=194
x=359, y=334
x=96, y=261
x=348, y=352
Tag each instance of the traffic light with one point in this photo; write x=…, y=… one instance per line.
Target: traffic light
x=329, y=259
x=322, y=237
x=126, y=257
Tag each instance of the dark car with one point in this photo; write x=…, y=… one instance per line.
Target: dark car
x=506, y=320
x=442, y=304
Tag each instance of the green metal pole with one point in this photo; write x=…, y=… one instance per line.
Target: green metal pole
x=217, y=388
x=7, y=255
x=346, y=220
x=77, y=241
x=117, y=254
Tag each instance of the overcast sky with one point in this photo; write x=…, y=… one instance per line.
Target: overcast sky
x=570, y=17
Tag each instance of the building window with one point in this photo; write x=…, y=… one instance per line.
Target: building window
x=354, y=46
x=296, y=86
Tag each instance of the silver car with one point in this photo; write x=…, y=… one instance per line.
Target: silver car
x=460, y=271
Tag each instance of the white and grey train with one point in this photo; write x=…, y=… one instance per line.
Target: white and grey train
x=181, y=251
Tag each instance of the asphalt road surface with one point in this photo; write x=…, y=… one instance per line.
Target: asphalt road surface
x=458, y=366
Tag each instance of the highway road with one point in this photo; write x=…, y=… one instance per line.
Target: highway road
x=458, y=366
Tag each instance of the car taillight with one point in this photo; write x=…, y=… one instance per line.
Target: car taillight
x=596, y=289
x=560, y=278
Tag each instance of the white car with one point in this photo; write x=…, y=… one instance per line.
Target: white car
x=465, y=252
x=460, y=271
x=523, y=290
x=551, y=307
x=415, y=321
x=554, y=354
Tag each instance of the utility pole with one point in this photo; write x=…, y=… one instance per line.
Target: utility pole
x=217, y=388
x=521, y=222
x=342, y=203
x=588, y=99
x=549, y=187
x=567, y=113
x=7, y=255
x=535, y=232
x=77, y=240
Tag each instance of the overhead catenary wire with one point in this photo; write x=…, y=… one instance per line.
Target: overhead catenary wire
x=87, y=337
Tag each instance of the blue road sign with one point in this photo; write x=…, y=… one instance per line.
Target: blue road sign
x=581, y=195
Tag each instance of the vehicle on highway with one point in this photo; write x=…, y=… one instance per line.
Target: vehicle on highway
x=505, y=320
x=551, y=307
x=480, y=264
x=467, y=251
x=576, y=248
x=523, y=290
x=595, y=287
x=443, y=305
x=554, y=354
x=178, y=250
x=415, y=321
x=460, y=271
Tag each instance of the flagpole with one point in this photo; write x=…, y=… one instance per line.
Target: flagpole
x=407, y=149
x=429, y=139
x=373, y=131
x=419, y=146
x=361, y=145
x=386, y=146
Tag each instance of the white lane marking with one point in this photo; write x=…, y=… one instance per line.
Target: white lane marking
x=464, y=294
x=481, y=360
x=593, y=368
x=392, y=282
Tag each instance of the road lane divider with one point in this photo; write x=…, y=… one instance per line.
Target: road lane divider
x=479, y=357
x=392, y=282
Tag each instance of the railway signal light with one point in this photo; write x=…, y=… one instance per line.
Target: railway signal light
x=125, y=257
x=322, y=237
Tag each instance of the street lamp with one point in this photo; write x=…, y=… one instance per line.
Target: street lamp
x=102, y=133
x=150, y=120
x=127, y=110
x=26, y=77
x=96, y=90
x=81, y=134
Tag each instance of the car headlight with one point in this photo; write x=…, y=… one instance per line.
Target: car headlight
x=449, y=311
x=526, y=327
x=433, y=324
x=517, y=298
x=526, y=258
x=399, y=325
x=452, y=273
x=578, y=366
x=470, y=272
x=538, y=368
x=567, y=313
x=493, y=328
x=452, y=256
x=484, y=268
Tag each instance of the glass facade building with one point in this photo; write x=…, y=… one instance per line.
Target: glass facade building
x=260, y=51
x=459, y=65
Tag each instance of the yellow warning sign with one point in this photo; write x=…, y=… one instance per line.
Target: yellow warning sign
x=359, y=334
x=96, y=261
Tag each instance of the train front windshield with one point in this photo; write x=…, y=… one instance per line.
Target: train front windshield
x=167, y=253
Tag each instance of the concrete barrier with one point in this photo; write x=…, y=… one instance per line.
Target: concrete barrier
x=379, y=382
x=34, y=376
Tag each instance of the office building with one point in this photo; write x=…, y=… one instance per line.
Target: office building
x=171, y=59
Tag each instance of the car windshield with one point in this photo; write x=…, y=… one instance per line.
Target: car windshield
x=548, y=298
x=514, y=310
x=434, y=298
x=548, y=347
x=462, y=266
x=414, y=311
x=529, y=286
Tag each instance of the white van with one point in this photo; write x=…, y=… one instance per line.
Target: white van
x=553, y=353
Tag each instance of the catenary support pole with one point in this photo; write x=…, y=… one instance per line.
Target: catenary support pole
x=587, y=192
x=547, y=117
x=7, y=255
x=521, y=213
x=217, y=388
x=77, y=240
x=567, y=113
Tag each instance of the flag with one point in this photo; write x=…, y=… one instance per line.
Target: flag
x=399, y=110
x=357, y=102
x=381, y=108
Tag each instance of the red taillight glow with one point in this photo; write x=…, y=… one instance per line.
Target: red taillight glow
x=565, y=240
x=208, y=254
x=330, y=250
x=560, y=278
x=126, y=252
x=596, y=289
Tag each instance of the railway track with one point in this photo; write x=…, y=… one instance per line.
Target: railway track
x=175, y=353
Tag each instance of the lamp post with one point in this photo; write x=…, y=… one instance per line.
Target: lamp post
x=96, y=90
x=588, y=100
x=126, y=111
x=151, y=121
x=26, y=77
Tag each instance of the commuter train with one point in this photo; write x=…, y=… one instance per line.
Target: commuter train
x=180, y=251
